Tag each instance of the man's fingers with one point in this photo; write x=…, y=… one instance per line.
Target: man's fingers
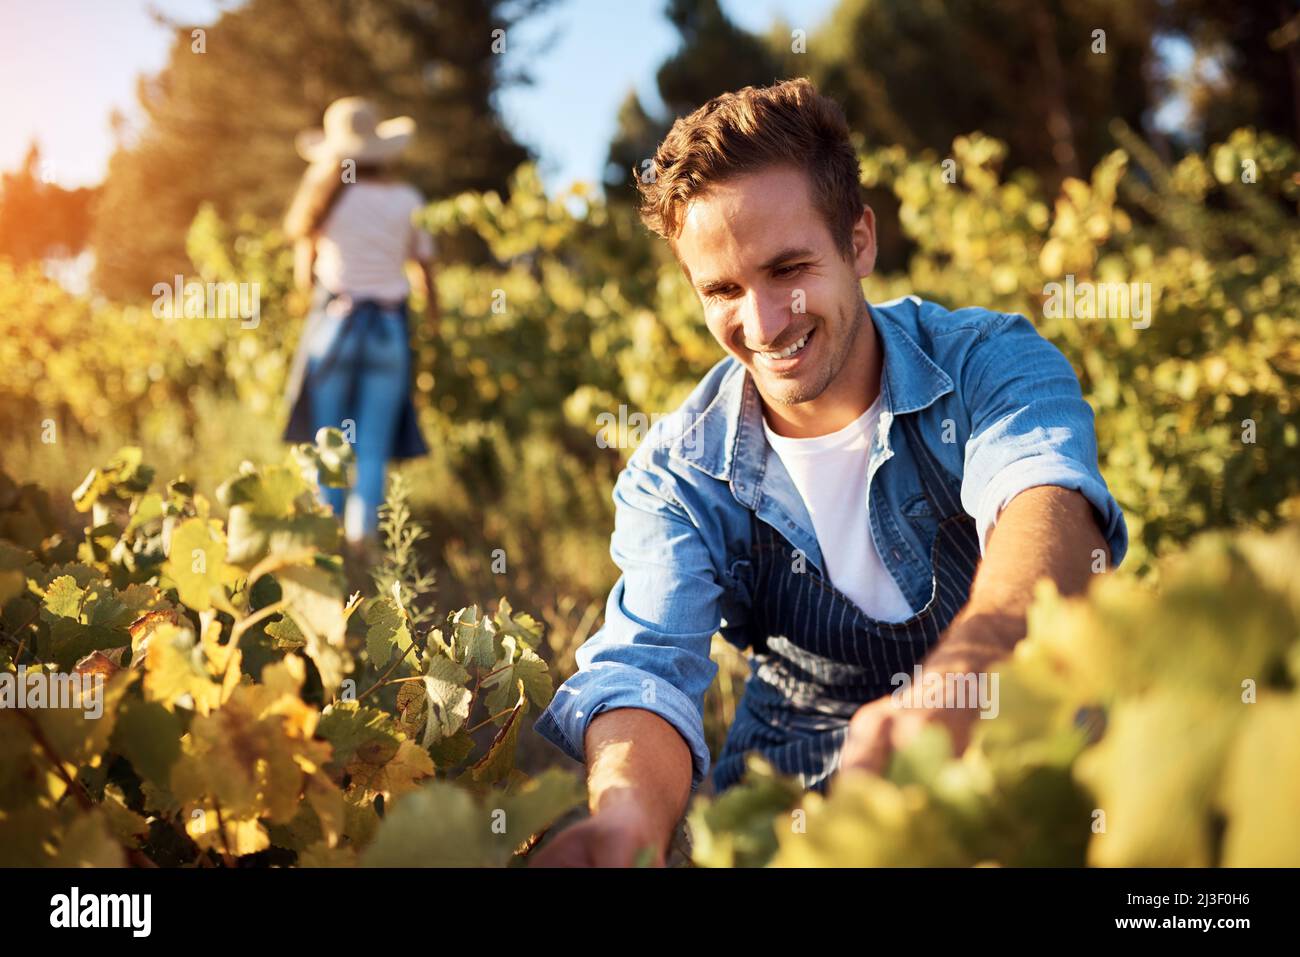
x=867, y=746
x=564, y=850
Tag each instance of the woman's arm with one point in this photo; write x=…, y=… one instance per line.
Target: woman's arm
x=428, y=289
x=304, y=259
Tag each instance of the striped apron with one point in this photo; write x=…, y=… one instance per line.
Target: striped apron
x=816, y=657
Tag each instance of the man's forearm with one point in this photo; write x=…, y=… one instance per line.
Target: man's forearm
x=1044, y=532
x=637, y=760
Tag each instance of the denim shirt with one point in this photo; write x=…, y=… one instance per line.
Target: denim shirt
x=1005, y=411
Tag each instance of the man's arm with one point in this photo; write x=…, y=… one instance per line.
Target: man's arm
x=1032, y=445
x=639, y=762
x=633, y=711
x=1044, y=532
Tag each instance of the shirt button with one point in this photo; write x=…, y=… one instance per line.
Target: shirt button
x=897, y=556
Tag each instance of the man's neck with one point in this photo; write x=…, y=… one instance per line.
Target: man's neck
x=848, y=396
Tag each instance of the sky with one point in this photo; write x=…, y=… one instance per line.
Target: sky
x=65, y=65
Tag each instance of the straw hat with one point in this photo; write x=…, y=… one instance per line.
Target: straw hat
x=354, y=131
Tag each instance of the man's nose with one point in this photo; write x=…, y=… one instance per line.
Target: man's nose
x=764, y=318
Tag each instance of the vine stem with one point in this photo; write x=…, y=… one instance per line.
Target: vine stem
x=245, y=623
x=391, y=668
x=50, y=755
x=23, y=642
x=225, y=838
x=491, y=717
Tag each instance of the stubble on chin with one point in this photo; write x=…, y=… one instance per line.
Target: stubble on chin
x=819, y=380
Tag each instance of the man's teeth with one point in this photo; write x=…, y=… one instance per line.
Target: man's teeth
x=787, y=353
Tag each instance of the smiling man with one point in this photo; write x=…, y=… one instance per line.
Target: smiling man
x=855, y=490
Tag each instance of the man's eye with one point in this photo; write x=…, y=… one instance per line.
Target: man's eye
x=787, y=271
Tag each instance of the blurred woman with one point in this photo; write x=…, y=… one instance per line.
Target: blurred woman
x=351, y=221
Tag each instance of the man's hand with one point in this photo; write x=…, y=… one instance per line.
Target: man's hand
x=1044, y=532
x=881, y=727
x=638, y=784
x=613, y=838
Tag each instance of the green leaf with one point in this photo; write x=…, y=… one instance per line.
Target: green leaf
x=737, y=828
x=197, y=562
x=388, y=632
x=438, y=825
x=358, y=732
x=451, y=751
x=313, y=596
x=149, y=736
x=529, y=669
x=521, y=625
x=538, y=803
x=285, y=634
x=442, y=825
x=473, y=636
x=446, y=697
x=500, y=758
x=63, y=598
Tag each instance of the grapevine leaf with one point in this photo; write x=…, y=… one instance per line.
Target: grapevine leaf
x=737, y=828
x=451, y=751
x=313, y=596
x=89, y=842
x=529, y=669
x=500, y=757
x=196, y=563
x=389, y=630
x=534, y=805
x=284, y=634
x=149, y=736
x=176, y=671
x=127, y=827
x=519, y=625
x=1156, y=797
x=446, y=697
x=79, y=733
x=353, y=731
x=399, y=775
x=1260, y=786
x=473, y=636
x=63, y=598
x=438, y=825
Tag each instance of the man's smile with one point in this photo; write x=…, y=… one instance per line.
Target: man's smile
x=788, y=358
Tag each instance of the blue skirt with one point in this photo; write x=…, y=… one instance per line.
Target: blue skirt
x=408, y=442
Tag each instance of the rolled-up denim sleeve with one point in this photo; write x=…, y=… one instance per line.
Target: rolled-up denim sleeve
x=653, y=649
x=1030, y=426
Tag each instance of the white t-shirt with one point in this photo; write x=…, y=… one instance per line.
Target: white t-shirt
x=367, y=238
x=830, y=472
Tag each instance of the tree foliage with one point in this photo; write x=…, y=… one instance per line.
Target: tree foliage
x=220, y=118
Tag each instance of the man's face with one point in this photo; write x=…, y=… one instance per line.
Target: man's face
x=777, y=293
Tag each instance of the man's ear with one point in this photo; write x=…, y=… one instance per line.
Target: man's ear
x=864, y=242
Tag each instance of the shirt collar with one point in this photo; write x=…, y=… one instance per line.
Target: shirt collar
x=726, y=440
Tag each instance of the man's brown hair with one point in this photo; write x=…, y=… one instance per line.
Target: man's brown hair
x=743, y=132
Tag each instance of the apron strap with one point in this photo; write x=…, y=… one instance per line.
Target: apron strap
x=937, y=481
